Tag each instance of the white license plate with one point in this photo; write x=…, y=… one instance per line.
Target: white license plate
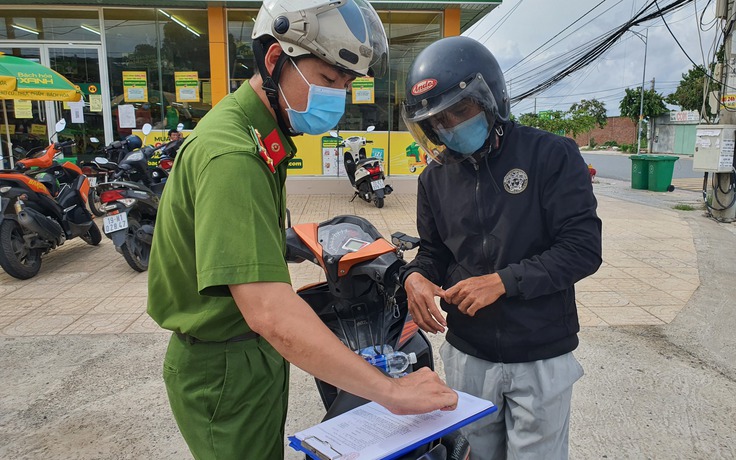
x=115, y=222
x=377, y=184
x=92, y=181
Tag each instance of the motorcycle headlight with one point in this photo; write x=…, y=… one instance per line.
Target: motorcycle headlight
x=4, y=190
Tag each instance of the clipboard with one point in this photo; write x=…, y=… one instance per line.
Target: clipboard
x=320, y=448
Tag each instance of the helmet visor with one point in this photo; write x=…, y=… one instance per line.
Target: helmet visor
x=427, y=118
x=363, y=21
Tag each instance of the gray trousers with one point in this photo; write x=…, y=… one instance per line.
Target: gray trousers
x=533, y=399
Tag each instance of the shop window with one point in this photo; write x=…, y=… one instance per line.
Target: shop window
x=240, y=53
x=159, y=63
x=35, y=25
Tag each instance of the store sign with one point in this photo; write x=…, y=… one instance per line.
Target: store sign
x=187, y=86
x=729, y=101
x=295, y=163
x=135, y=86
x=687, y=115
x=23, y=109
x=363, y=90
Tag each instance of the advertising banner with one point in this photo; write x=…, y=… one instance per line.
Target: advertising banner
x=135, y=86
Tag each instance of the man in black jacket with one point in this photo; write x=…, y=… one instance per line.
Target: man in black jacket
x=507, y=220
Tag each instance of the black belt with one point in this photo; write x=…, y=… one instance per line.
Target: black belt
x=241, y=338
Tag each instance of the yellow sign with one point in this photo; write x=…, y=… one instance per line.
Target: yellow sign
x=23, y=109
x=92, y=89
x=363, y=90
x=10, y=129
x=95, y=103
x=135, y=86
x=38, y=129
x=187, y=86
x=729, y=101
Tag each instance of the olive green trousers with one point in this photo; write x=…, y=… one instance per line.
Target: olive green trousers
x=229, y=399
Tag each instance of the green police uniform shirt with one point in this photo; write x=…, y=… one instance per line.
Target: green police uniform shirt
x=220, y=220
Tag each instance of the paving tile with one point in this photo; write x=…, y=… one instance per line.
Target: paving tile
x=589, y=319
x=20, y=307
x=666, y=313
x=625, y=316
x=654, y=297
x=121, y=305
x=32, y=325
x=144, y=325
x=601, y=299
x=101, y=324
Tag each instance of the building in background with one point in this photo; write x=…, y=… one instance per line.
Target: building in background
x=167, y=62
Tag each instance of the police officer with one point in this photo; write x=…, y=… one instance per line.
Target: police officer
x=217, y=276
x=507, y=220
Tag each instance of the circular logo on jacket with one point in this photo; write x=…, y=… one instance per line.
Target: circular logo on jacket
x=515, y=181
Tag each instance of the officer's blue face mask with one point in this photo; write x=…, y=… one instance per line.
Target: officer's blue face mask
x=325, y=107
x=467, y=137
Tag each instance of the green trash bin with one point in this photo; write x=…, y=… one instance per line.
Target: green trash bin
x=660, y=172
x=639, y=172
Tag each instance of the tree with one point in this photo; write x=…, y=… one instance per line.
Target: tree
x=689, y=94
x=581, y=118
x=653, y=104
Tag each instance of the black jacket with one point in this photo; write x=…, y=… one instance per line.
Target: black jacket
x=526, y=211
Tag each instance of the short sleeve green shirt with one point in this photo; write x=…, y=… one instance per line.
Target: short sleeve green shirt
x=220, y=221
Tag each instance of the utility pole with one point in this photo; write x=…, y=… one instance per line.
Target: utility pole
x=650, y=129
x=714, y=150
x=641, y=106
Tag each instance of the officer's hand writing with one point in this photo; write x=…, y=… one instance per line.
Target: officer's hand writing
x=420, y=293
x=420, y=392
x=472, y=294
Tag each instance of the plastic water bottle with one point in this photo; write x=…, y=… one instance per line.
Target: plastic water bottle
x=393, y=362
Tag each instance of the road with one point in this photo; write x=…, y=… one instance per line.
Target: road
x=617, y=165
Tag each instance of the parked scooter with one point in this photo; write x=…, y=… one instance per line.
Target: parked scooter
x=99, y=173
x=41, y=209
x=365, y=173
x=364, y=305
x=130, y=202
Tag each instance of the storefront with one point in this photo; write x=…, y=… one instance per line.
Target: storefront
x=166, y=65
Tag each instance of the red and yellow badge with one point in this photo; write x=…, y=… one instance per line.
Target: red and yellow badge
x=270, y=149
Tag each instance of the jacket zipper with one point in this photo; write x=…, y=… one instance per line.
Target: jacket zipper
x=485, y=248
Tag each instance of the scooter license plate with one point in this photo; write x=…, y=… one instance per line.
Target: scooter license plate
x=92, y=181
x=115, y=222
x=377, y=184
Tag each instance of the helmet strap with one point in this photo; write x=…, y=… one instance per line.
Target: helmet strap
x=271, y=83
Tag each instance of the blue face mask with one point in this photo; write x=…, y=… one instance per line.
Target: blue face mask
x=467, y=137
x=325, y=107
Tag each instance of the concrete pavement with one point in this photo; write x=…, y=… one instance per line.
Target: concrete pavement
x=81, y=360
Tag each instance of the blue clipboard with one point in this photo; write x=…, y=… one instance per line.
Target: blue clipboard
x=321, y=450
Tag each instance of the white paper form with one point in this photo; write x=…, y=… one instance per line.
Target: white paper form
x=372, y=432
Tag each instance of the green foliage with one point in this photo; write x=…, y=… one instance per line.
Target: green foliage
x=610, y=144
x=581, y=118
x=627, y=147
x=683, y=207
x=689, y=93
x=653, y=104
x=592, y=143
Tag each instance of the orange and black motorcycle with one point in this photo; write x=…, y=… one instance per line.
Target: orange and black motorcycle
x=363, y=303
x=42, y=208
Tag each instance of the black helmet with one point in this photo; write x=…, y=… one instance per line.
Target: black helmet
x=133, y=142
x=50, y=181
x=455, y=79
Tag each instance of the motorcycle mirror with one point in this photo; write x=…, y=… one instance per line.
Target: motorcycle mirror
x=94, y=140
x=180, y=127
x=147, y=129
x=334, y=134
x=60, y=125
x=101, y=160
x=370, y=128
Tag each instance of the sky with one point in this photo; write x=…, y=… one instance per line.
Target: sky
x=513, y=36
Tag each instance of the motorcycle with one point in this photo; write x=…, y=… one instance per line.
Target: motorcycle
x=365, y=174
x=363, y=303
x=131, y=201
x=41, y=209
x=98, y=173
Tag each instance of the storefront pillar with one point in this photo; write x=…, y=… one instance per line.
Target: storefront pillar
x=452, y=22
x=217, y=21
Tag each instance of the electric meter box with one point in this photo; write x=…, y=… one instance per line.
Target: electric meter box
x=714, y=147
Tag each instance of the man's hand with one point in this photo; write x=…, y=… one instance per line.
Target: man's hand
x=420, y=293
x=472, y=294
x=419, y=392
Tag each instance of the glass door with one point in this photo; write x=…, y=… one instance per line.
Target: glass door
x=25, y=127
x=86, y=120
x=30, y=123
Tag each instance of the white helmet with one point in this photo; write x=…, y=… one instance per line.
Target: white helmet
x=345, y=33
